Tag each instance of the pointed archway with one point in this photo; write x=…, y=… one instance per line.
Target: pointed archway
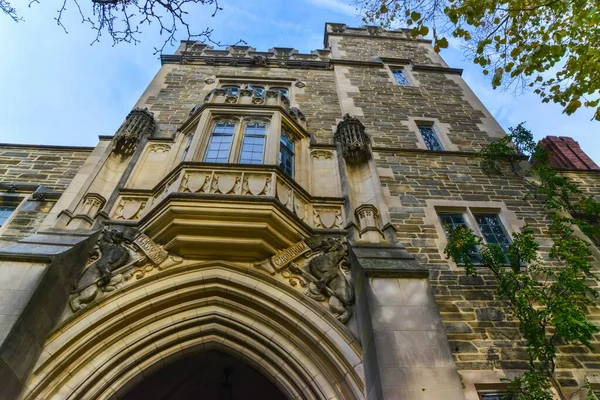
x=211, y=375
x=106, y=350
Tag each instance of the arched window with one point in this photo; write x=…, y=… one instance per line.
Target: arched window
x=221, y=138
x=258, y=90
x=282, y=90
x=253, y=143
x=232, y=90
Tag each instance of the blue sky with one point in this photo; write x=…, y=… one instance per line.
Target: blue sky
x=57, y=89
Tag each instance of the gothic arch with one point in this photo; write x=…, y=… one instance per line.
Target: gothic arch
x=104, y=350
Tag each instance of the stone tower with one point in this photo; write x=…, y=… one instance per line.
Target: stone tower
x=269, y=225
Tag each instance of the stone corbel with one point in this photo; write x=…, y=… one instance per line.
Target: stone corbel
x=369, y=223
x=354, y=140
x=140, y=122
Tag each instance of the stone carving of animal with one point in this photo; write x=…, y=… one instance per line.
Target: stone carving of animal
x=108, y=254
x=331, y=280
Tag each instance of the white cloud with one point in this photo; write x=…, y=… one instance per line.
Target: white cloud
x=337, y=6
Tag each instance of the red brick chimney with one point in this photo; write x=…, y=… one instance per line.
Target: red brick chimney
x=565, y=153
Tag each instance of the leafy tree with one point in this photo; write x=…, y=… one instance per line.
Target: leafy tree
x=549, y=301
x=122, y=20
x=551, y=46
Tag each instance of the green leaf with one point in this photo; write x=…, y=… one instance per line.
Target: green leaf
x=442, y=43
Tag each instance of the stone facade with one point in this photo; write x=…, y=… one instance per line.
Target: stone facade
x=274, y=208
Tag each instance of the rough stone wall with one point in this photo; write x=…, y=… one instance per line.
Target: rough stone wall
x=366, y=49
x=387, y=108
x=185, y=86
x=51, y=166
x=481, y=333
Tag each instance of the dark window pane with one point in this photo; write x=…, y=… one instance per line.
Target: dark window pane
x=5, y=212
x=495, y=396
x=399, y=77
x=232, y=90
x=430, y=138
x=286, y=155
x=493, y=232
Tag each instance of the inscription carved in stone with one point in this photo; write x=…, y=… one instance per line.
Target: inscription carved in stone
x=320, y=267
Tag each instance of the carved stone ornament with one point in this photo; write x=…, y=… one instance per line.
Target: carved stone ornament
x=10, y=188
x=319, y=266
x=260, y=61
x=355, y=142
x=209, y=81
x=114, y=260
x=40, y=193
x=140, y=122
x=300, y=84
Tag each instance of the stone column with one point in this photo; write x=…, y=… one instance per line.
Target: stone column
x=405, y=350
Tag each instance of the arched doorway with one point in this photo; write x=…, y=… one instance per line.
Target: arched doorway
x=210, y=375
x=109, y=348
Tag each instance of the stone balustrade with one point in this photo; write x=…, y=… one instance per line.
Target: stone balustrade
x=258, y=181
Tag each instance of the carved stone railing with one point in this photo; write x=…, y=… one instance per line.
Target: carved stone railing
x=259, y=181
x=252, y=97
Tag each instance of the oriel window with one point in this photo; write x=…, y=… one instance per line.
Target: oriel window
x=253, y=144
x=286, y=155
x=219, y=146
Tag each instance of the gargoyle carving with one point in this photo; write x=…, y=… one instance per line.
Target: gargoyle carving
x=323, y=273
x=113, y=258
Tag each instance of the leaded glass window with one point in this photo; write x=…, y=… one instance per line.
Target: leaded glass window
x=5, y=213
x=495, y=396
x=286, y=155
x=452, y=221
x=400, y=77
x=430, y=138
x=220, y=142
x=493, y=231
x=253, y=144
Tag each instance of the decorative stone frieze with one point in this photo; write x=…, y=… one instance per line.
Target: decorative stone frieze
x=140, y=122
x=253, y=98
x=354, y=140
x=129, y=208
x=115, y=259
x=319, y=267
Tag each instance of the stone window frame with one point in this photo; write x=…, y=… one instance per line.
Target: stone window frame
x=441, y=130
x=15, y=200
x=508, y=218
x=406, y=70
x=278, y=123
x=241, y=121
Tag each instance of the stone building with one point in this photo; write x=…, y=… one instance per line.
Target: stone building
x=269, y=225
